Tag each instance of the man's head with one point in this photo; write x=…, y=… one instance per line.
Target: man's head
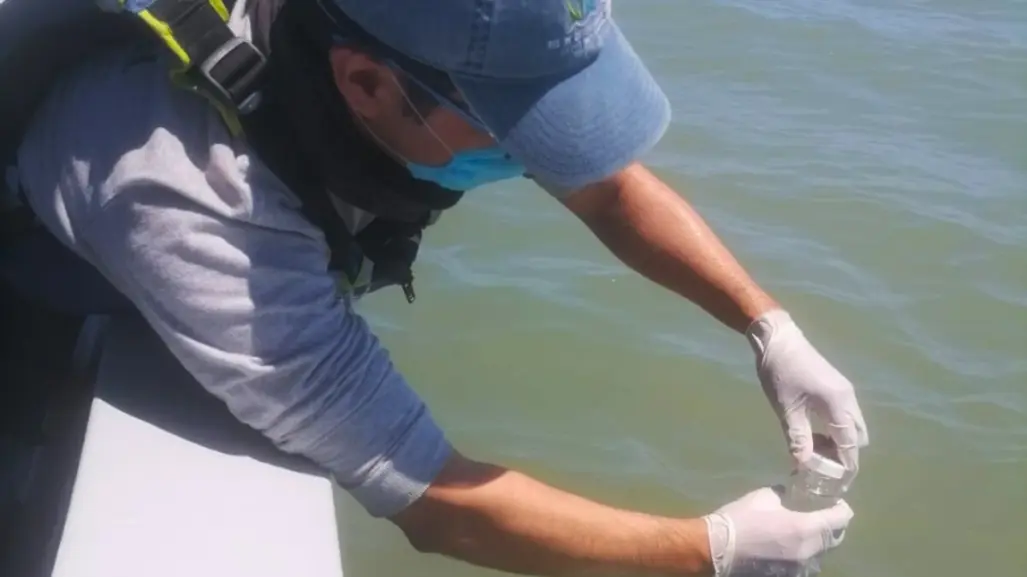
x=552, y=82
x=412, y=120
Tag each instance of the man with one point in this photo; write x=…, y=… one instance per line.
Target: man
x=209, y=235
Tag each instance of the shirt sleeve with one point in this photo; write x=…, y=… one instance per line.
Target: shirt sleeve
x=252, y=314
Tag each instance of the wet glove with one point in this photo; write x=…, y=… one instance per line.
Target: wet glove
x=805, y=391
x=756, y=536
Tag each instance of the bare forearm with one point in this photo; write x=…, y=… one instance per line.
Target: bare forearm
x=653, y=230
x=502, y=519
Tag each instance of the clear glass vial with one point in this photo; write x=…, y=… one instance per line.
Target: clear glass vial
x=817, y=484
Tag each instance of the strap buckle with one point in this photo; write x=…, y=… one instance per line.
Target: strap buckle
x=234, y=71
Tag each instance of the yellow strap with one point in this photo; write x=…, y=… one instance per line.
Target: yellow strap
x=220, y=7
x=178, y=74
x=164, y=31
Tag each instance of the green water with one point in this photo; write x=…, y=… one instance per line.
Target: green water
x=867, y=160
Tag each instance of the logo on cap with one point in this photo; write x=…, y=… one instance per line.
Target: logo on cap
x=578, y=9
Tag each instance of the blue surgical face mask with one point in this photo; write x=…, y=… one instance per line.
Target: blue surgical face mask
x=467, y=169
x=470, y=169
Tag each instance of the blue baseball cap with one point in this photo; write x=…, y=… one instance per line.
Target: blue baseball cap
x=555, y=81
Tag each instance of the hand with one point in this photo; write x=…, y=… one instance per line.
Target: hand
x=801, y=384
x=756, y=536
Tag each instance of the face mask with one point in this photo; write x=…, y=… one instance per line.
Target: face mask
x=466, y=169
x=470, y=169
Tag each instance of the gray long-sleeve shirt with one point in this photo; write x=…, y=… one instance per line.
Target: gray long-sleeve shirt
x=144, y=181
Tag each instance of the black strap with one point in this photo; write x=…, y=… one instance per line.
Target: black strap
x=391, y=245
x=268, y=132
x=229, y=66
x=306, y=137
x=307, y=33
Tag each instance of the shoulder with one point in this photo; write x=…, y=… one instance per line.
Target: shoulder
x=118, y=123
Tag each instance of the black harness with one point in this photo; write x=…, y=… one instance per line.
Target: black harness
x=283, y=100
x=304, y=132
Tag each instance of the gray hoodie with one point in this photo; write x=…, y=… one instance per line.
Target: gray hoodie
x=143, y=180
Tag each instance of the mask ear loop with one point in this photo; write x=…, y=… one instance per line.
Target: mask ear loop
x=467, y=114
x=379, y=139
x=386, y=145
x=423, y=120
x=339, y=41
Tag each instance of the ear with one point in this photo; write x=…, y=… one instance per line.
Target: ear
x=365, y=84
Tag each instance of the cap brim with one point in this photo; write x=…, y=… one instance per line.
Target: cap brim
x=573, y=131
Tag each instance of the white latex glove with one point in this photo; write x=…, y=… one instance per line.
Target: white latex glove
x=801, y=385
x=756, y=536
